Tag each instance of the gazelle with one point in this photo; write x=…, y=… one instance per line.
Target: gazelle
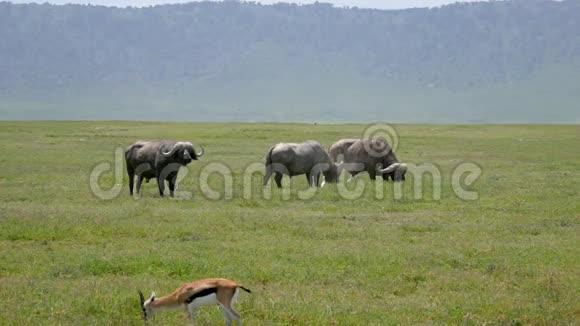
x=189, y=296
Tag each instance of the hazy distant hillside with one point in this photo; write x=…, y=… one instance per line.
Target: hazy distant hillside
x=513, y=61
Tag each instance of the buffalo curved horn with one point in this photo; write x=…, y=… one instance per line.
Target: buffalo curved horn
x=393, y=168
x=173, y=149
x=200, y=154
x=180, y=144
x=403, y=167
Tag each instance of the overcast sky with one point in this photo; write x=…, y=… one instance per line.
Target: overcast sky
x=382, y=4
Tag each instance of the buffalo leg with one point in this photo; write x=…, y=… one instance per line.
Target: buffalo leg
x=171, y=180
x=373, y=175
x=317, y=179
x=161, y=184
x=139, y=182
x=313, y=179
x=131, y=174
x=278, y=179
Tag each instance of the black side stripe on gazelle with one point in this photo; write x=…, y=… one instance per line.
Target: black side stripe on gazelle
x=200, y=294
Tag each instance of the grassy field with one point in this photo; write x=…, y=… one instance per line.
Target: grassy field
x=511, y=257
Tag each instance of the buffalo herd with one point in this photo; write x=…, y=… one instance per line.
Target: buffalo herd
x=162, y=159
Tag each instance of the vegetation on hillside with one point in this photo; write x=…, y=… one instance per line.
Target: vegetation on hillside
x=245, y=61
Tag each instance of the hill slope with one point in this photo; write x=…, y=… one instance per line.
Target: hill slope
x=515, y=61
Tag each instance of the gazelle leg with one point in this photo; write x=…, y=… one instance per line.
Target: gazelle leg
x=238, y=318
x=192, y=310
x=228, y=315
x=234, y=314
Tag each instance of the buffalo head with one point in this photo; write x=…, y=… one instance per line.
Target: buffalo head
x=332, y=173
x=396, y=171
x=184, y=152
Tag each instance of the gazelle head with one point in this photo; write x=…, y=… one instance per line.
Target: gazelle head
x=146, y=305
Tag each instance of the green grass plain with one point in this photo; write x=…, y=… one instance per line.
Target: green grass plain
x=510, y=257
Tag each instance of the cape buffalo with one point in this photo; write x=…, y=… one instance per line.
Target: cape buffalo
x=160, y=160
x=308, y=158
x=373, y=155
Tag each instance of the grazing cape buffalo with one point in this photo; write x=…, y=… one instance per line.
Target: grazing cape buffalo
x=373, y=155
x=160, y=160
x=308, y=158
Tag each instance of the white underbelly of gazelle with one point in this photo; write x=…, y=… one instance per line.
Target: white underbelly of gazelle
x=208, y=300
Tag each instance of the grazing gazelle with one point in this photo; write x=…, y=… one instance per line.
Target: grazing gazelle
x=189, y=296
